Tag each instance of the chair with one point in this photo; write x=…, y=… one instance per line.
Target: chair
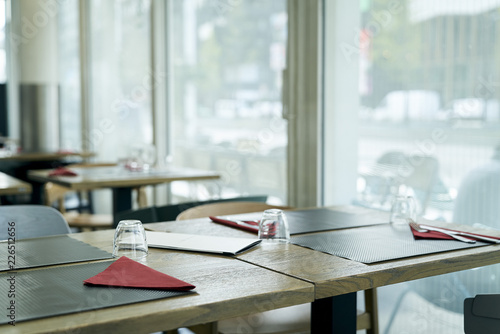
x=75, y=219
x=31, y=221
x=170, y=212
x=226, y=208
x=423, y=177
x=381, y=185
x=291, y=319
x=396, y=172
x=478, y=203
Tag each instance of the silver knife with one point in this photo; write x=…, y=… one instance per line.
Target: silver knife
x=465, y=234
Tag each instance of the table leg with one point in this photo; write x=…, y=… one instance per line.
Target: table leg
x=334, y=314
x=37, y=195
x=122, y=201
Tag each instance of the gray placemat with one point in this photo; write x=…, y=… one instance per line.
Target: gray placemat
x=60, y=290
x=377, y=243
x=316, y=220
x=37, y=252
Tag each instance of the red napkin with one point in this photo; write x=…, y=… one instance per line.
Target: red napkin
x=439, y=235
x=62, y=171
x=233, y=224
x=125, y=272
x=430, y=235
x=65, y=151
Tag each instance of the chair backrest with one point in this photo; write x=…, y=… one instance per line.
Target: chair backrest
x=478, y=197
x=31, y=221
x=171, y=211
x=226, y=208
x=53, y=192
x=418, y=172
x=423, y=177
x=145, y=215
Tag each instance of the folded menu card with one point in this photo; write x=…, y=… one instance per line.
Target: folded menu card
x=125, y=272
x=199, y=243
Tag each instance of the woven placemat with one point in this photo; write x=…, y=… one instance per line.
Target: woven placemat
x=377, y=243
x=37, y=252
x=316, y=220
x=55, y=291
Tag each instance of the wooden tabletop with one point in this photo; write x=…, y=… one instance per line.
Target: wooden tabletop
x=334, y=275
x=225, y=288
x=45, y=156
x=286, y=274
x=11, y=186
x=117, y=176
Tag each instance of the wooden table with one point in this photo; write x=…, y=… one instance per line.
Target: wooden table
x=286, y=275
x=45, y=156
x=11, y=186
x=336, y=279
x=17, y=165
x=225, y=286
x=120, y=180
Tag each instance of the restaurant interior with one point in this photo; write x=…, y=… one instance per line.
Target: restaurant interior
x=113, y=110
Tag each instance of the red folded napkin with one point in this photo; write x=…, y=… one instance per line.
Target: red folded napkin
x=63, y=151
x=439, y=235
x=430, y=235
x=125, y=272
x=254, y=228
x=62, y=171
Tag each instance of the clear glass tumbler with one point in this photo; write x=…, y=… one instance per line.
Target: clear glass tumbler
x=130, y=240
x=403, y=209
x=273, y=226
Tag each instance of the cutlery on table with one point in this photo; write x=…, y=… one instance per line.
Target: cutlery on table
x=459, y=233
x=424, y=228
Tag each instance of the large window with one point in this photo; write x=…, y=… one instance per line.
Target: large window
x=429, y=127
x=120, y=89
x=227, y=59
x=120, y=58
x=69, y=76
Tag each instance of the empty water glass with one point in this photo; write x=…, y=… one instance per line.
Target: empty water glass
x=273, y=226
x=403, y=209
x=130, y=240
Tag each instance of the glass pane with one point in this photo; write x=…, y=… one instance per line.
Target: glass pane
x=121, y=70
x=3, y=54
x=3, y=75
x=69, y=76
x=226, y=61
x=430, y=128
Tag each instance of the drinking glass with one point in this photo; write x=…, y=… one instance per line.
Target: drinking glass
x=130, y=240
x=148, y=156
x=273, y=226
x=403, y=209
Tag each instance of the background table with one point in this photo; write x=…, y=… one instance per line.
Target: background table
x=18, y=165
x=45, y=156
x=120, y=180
x=11, y=186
